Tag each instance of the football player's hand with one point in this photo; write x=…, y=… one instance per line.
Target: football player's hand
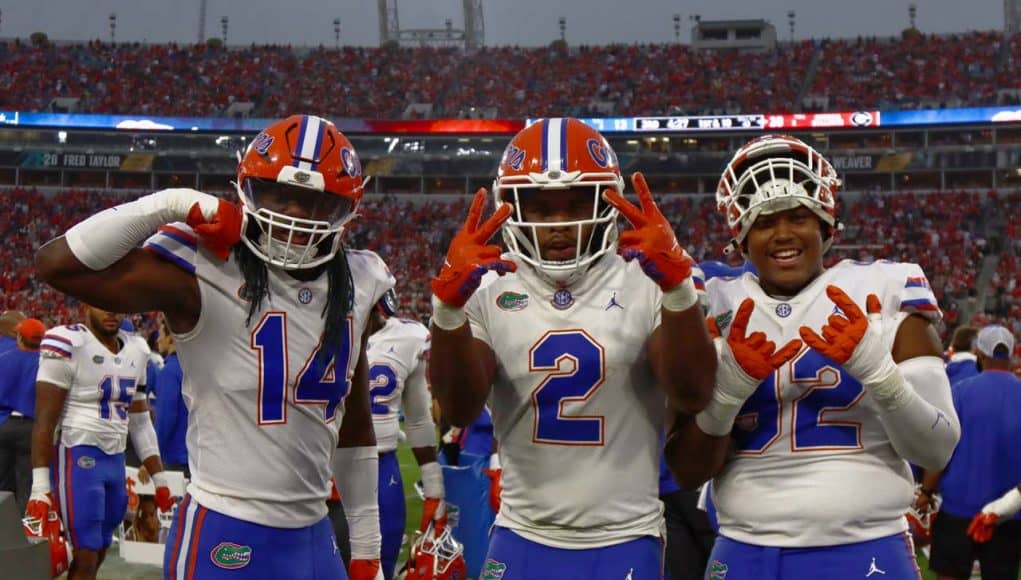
x=854, y=340
x=495, y=488
x=997, y=511
x=365, y=570
x=164, y=499
x=469, y=258
x=651, y=241
x=981, y=527
x=434, y=511
x=39, y=505
x=745, y=360
x=219, y=226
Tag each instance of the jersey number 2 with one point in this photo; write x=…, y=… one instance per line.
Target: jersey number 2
x=321, y=381
x=555, y=351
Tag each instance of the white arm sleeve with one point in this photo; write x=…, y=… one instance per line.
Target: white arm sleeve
x=108, y=236
x=143, y=435
x=418, y=420
x=923, y=425
x=356, y=470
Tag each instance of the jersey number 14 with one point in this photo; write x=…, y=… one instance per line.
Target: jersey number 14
x=322, y=380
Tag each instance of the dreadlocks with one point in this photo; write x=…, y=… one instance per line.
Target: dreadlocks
x=339, y=301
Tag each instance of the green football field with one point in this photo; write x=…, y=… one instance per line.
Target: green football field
x=409, y=471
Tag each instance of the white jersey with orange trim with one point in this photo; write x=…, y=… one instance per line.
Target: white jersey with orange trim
x=397, y=360
x=575, y=406
x=264, y=409
x=813, y=464
x=100, y=384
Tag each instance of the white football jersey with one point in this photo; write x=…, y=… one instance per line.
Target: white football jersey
x=576, y=409
x=397, y=358
x=264, y=409
x=813, y=465
x=100, y=384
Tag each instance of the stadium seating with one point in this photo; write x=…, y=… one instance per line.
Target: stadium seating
x=510, y=82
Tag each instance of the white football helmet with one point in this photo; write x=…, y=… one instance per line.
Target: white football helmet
x=775, y=173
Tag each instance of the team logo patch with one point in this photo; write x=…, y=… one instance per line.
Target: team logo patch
x=98, y=359
x=302, y=176
x=562, y=299
x=351, y=162
x=717, y=570
x=512, y=301
x=262, y=143
x=231, y=556
x=453, y=515
x=601, y=154
x=304, y=296
x=723, y=320
x=86, y=462
x=493, y=570
x=783, y=310
x=514, y=157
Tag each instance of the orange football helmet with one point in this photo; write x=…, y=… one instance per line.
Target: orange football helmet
x=775, y=173
x=302, y=165
x=51, y=530
x=435, y=557
x=552, y=155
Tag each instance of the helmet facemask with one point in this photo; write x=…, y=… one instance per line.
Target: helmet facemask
x=778, y=178
x=522, y=235
x=291, y=242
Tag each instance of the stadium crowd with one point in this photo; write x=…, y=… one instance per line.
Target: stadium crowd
x=204, y=80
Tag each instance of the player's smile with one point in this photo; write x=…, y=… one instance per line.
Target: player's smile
x=559, y=248
x=786, y=248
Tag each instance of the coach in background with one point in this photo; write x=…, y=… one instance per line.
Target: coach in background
x=17, y=408
x=9, y=320
x=984, y=468
x=171, y=412
x=962, y=362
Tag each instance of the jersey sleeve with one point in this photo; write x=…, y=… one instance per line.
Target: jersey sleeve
x=376, y=270
x=57, y=355
x=914, y=295
x=177, y=243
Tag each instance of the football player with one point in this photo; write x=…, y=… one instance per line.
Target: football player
x=810, y=455
x=579, y=343
x=268, y=311
x=91, y=386
x=397, y=352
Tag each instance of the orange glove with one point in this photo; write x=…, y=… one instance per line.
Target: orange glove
x=854, y=340
x=468, y=259
x=743, y=362
x=218, y=232
x=365, y=570
x=495, y=488
x=434, y=511
x=652, y=241
x=39, y=506
x=981, y=527
x=164, y=499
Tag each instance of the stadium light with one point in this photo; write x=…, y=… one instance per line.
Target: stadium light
x=113, y=26
x=336, y=32
x=563, y=29
x=790, y=23
x=223, y=28
x=912, y=11
x=677, y=28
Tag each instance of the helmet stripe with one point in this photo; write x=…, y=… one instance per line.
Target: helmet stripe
x=545, y=143
x=319, y=145
x=554, y=141
x=309, y=140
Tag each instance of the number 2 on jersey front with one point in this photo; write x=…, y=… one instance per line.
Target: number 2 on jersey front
x=321, y=381
x=576, y=366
